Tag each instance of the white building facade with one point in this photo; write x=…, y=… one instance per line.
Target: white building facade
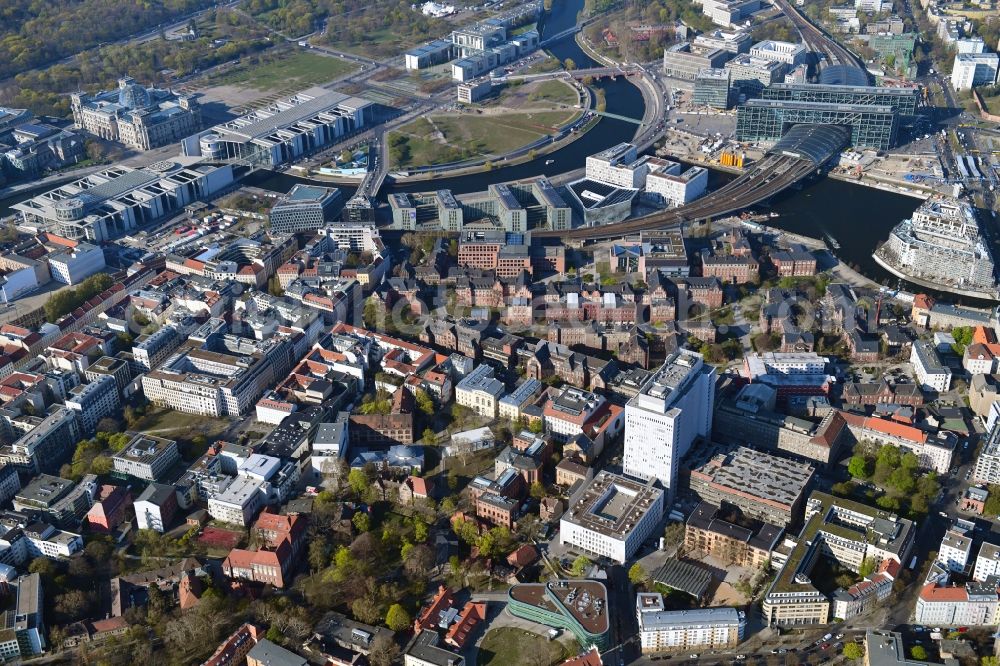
x=672, y=409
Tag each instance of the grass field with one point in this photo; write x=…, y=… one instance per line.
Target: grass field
x=298, y=69
x=554, y=92
x=992, y=104
x=442, y=139
x=516, y=647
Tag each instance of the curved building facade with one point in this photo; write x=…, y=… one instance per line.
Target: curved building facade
x=578, y=606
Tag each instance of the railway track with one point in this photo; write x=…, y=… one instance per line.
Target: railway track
x=818, y=40
x=770, y=177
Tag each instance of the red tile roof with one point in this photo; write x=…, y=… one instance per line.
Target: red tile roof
x=935, y=593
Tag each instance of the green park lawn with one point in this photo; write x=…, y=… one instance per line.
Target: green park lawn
x=299, y=70
x=469, y=136
x=508, y=646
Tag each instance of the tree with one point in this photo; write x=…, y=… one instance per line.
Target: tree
x=992, y=505
x=274, y=635
x=384, y=651
x=853, y=651
x=537, y=490
x=638, y=575
x=365, y=610
x=396, y=618
x=580, y=566
x=536, y=426
x=418, y=561
x=429, y=436
x=361, y=521
x=867, y=567
x=346, y=156
x=358, y=481
x=918, y=652
x=424, y=402
x=859, y=467
x=569, y=64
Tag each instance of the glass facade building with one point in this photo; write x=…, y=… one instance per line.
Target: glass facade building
x=902, y=100
x=872, y=126
x=711, y=88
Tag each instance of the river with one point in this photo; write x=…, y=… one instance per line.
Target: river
x=858, y=217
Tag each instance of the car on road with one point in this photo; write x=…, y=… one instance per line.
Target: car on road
x=839, y=636
x=827, y=637
x=824, y=646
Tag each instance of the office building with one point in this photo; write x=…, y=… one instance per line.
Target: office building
x=473, y=91
x=75, y=262
x=284, y=130
x=424, y=650
x=987, y=469
x=149, y=351
x=970, y=605
x=110, y=366
x=954, y=551
x=971, y=70
x=932, y=374
x=684, y=60
x=761, y=485
x=46, y=446
x=987, y=562
x=305, y=208
x=677, y=189
x=734, y=42
x=558, y=214
x=116, y=200
x=568, y=411
x=22, y=634
x=728, y=12
x=43, y=493
x=686, y=630
x=428, y=55
x=885, y=648
x=155, y=507
x=935, y=449
x=672, y=409
x=611, y=516
x=10, y=483
x=941, y=244
x=93, y=401
x=226, y=382
x=847, y=531
x=706, y=531
x=784, y=52
x=139, y=117
x=146, y=457
x=266, y=653
x=240, y=502
x=749, y=74
x=617, y=166
x=711, y=88
x=509, y=211
x=577, y=606
x=480, y=391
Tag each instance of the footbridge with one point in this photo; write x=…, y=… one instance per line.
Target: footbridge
x=803, y=150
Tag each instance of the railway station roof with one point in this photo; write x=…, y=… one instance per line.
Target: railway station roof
x=844, y=75
x=816, y=143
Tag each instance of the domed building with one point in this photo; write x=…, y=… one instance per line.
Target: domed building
x=139, y=117
x=131, y=95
